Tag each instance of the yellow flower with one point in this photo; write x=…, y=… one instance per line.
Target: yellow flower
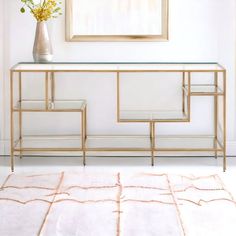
x=45, y=10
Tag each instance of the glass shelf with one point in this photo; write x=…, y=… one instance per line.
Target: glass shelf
x=49, y=143
x=93, y=143
x=157, y=116
x=187, y=143
x=56, y=106
x=118, y=143
x=204, y=90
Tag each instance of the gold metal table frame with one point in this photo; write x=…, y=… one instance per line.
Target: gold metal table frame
x=154, y=143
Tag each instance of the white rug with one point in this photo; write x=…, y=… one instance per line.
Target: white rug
x=82, y=204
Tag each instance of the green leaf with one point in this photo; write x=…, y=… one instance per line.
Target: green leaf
x=22, y=10
x=57, y=9
x=32, y=2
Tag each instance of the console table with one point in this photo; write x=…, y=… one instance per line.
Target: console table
x=151, y=142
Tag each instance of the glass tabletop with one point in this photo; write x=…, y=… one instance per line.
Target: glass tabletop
x=117, y=66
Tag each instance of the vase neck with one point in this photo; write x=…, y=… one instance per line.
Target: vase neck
x=41, y=22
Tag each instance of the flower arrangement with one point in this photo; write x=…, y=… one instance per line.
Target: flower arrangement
x=43, y=10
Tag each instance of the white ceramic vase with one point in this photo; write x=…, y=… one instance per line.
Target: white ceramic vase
x=42, y=51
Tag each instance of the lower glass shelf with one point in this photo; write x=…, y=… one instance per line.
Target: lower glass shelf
x=92, y=143
x=118, y=143
x=157, y=116
x=72, y=143
x=187, y=143
x=49, y=143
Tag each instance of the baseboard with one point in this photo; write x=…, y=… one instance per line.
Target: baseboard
x=231, y=151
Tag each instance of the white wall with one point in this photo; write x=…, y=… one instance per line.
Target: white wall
x=2, y=68
x=226, y=56
x=200, y=30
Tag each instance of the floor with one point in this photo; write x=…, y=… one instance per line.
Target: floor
x=104, y=166
x=172, y=165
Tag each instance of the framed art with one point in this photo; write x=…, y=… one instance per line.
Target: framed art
x=116, y=20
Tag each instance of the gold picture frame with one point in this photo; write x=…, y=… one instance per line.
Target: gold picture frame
x=128, y=22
